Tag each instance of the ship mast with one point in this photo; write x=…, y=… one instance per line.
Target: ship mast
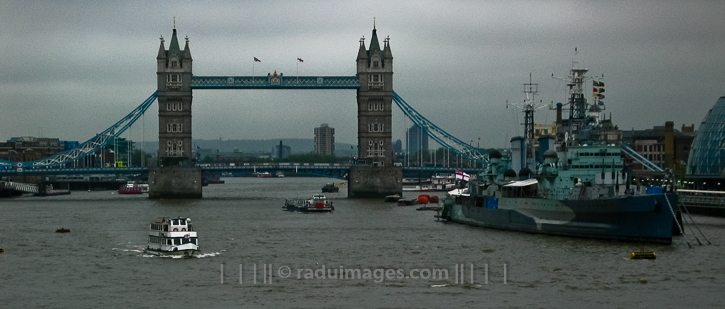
x=528, y=106
x=580, y=111
x=530, y=90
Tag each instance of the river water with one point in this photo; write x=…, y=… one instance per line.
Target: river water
x=366, y=254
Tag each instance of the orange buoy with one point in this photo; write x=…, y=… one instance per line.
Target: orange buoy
x=434, y=199
x=422, y=199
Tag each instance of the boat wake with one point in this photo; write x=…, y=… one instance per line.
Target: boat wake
x=206, y=255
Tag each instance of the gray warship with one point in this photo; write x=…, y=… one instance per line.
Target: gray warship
x=578, y=186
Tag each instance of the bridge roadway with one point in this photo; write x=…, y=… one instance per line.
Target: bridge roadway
x=339, y=172
x=274, y=82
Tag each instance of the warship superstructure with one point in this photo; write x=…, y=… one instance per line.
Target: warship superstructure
x=577, y=186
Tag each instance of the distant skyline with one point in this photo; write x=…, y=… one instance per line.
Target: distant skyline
x=70, y=69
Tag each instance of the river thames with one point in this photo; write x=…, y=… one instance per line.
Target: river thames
x=365, y=254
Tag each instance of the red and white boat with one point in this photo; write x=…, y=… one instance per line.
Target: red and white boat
x=264, y=175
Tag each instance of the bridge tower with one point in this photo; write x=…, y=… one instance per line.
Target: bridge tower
x=175, y=176
x=173, y=75
x=374, y=175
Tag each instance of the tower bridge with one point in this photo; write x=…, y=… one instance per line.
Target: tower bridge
x=177, y=177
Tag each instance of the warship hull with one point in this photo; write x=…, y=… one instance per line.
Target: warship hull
x=645, y=218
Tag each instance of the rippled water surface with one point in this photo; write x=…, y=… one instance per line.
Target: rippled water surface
x=279, y=257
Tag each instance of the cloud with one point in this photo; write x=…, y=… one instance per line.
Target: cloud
x=70, y=69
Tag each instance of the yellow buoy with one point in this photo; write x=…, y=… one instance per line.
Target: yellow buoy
x=643, y=255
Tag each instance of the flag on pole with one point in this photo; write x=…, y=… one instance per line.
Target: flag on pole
x=257, y=60
x=300, y=60
x=462, y=175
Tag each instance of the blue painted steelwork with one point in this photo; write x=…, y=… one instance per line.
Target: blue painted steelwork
x=641, y=159
x=90, y=146
x=268, y=82
x=439, y=135
x=339, y=172
x=250, y=82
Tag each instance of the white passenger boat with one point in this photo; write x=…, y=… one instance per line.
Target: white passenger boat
x=172, y=236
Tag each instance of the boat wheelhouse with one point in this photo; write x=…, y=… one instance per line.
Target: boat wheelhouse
x=172, y=236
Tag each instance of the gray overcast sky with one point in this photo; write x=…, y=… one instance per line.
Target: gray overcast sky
x=70, y=69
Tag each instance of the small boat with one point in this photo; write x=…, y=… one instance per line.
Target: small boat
x=172, y=236
x=215, y=180
x=62, y=230
x=392, y=198
x=330, y=187
x=318, y=203
x=407, y=201
x=133, y=187
x=263, y=175
x=418, y=187
x=279, y=174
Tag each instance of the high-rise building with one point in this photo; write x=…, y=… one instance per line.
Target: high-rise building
x=325, y=140
x=398, y=147
x=417, y=140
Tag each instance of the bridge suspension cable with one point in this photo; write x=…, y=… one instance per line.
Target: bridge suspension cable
x=439, y=135
x=92, y=145
x=641, y=159
x=101, y=139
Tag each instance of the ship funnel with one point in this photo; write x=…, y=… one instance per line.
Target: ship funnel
x=546, y=142
x=517, y=153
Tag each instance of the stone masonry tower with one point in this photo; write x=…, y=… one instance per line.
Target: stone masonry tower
x=173, y=74
x=374, y=175
x=175, y=176
x=374, y=103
